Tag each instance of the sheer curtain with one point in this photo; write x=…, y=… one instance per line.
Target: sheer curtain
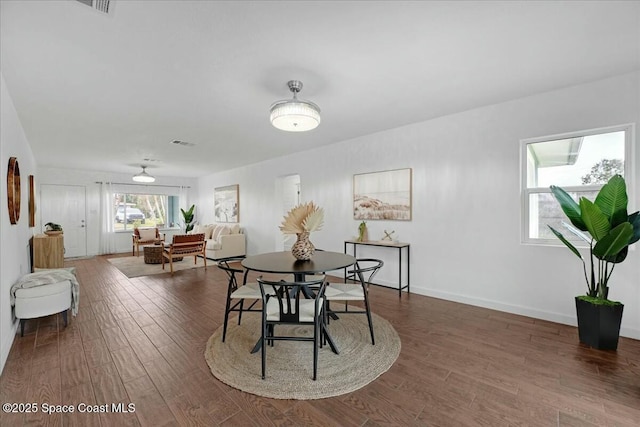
x=183, y=205
x=107, y=236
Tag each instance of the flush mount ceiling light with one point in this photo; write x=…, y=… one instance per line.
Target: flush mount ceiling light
x=295, y=115
x=143, y=176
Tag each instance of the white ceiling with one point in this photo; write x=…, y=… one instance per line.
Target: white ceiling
x=105, y=92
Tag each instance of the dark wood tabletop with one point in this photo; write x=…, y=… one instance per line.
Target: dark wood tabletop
x=284, y=262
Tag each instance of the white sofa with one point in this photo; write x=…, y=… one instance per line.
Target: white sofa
x=223, y=240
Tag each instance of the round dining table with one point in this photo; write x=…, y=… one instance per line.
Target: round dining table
x=285, y=263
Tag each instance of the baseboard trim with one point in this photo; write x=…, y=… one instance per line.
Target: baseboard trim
x=6, y=346
x=513, y=309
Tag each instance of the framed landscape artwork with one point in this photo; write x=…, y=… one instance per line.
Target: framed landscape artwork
x=382, y=195
x=225, y=203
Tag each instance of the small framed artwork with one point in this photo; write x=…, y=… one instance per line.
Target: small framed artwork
x=226, y=203
x=382, y=195
x=32, y=201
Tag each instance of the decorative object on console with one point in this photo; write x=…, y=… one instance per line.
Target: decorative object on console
x=226, y=203
x=301, y=221
x=611, y=232
x=295, y=115
x=188, y=217
x=52, y=229
x=143, y=176
x=363, y=233
x=382, y=195
x=387, y=235
x=13, y=190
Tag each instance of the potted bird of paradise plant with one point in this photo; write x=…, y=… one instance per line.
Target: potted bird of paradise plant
x=609, y=230
x=188, y=217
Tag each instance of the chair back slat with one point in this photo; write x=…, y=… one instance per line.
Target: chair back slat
x=366, y=269
x=187, y=238
x=224, y=265
x=288, y=295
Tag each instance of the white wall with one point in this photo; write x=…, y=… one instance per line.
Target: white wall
x=88, y=179
x=465, y=232
x=14, y=239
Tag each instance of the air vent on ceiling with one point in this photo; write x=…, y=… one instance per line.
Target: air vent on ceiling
x=183, y=143
x=100, y=5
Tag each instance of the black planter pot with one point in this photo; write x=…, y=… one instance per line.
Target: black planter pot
x=599, y=325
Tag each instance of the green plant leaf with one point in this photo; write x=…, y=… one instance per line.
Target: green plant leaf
x=634, y=219
x=619, y=257
x=597, y=222
x=612, y=200
x=566, y=242
x=569, y=206
x=611, y=244
x=577, y=232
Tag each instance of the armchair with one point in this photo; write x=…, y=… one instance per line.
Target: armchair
x=145, y=236
x=184, y=245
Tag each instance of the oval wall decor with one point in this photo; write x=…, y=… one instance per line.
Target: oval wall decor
x=13, y=190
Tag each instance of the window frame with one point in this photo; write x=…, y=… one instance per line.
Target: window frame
x=628, y=128
x=128, y=228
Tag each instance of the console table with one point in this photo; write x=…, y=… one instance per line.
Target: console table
x=386, y=244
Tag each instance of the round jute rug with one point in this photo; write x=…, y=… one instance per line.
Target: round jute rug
x=289, y=370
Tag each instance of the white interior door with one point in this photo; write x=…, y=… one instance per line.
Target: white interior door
x=66, y=205
x=290, y=199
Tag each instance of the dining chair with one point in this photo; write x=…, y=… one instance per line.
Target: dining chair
x=363, y=273
x=284, y=304
x=238, y=294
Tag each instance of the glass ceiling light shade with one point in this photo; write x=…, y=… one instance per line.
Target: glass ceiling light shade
x=295, y=115
x=143, y=176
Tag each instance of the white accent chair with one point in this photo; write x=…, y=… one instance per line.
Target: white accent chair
x=42, y=301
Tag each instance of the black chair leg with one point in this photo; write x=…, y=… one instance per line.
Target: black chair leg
x=316, y=337
x=22, y=322
x=226, y=319
x=64, y=318
x=240, y=312
x=366, y=303
x=264, y=348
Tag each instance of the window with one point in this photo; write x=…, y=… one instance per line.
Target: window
x=580, y=163
x=148, y=210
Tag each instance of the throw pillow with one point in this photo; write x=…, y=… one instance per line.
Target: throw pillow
x=223, y=232
x=235, y=229
x=208, y=231
x=147, y=233
x=216, y=232
x=195, y=230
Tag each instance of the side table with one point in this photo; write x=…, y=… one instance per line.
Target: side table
x=394, y=245
x=152, y=254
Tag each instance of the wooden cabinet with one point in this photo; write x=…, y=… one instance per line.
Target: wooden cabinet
x=48, y=251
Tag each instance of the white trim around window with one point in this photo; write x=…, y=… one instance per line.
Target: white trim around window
x=531, y=190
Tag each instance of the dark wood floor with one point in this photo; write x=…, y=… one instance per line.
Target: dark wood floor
x=142, y=341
